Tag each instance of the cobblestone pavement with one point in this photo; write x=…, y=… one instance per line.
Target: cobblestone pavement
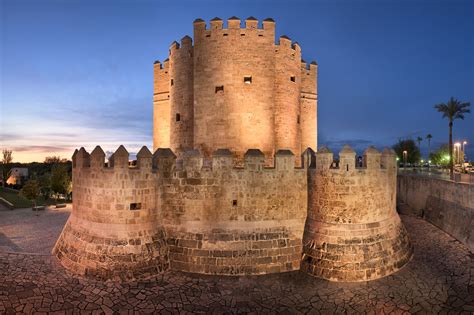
x=25, y=230
x=439, y=279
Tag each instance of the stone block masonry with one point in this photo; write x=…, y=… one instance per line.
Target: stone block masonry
x=205, y=215
x=352, y=231
x=444, y=203
x=252, y=208
x=195, y=214
x=235, y=88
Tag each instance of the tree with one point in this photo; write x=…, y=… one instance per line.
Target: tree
x=419, y=139
x=441, y=156
x=30, y=190
x=6, y=167
x=44, y=182
x=409, y=145
x=429, y=137
x=54, y=160
x=59, y=179
x=452, y=110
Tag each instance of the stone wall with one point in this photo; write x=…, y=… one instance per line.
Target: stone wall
x=225, y=220
x=104, y=237
x=194, y=214
x=352, y=231
x=447, y=204
x=235, y=88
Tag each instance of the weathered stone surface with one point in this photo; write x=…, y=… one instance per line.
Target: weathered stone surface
x=352, y=231
x=193, y=216
x=232, y=83
x=447, y=204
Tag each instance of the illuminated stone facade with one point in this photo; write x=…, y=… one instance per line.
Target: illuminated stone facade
x=235, y=88
x=254, y=207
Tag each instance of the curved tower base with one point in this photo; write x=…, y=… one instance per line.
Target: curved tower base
x=94, y=250
x=355, y=252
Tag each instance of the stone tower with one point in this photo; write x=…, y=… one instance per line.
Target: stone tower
x=235, y=88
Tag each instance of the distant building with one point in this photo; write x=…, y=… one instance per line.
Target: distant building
x=17, y=176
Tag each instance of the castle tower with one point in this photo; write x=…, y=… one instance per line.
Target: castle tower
x=114, y=229
x=353, y=232
x=235, y=88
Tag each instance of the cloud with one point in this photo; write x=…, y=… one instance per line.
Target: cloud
x=42, y=148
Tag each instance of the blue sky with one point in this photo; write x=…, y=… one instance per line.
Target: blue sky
x=79, y=73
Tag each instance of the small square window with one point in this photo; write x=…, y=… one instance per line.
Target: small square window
x=219, y=88
x=135, y=206
x=234, y=203
x=248, y=80
x=178, y=117
x=292, y=78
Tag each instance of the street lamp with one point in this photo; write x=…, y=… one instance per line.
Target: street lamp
x=405, y=155
x=463, y=152
x=457, y=145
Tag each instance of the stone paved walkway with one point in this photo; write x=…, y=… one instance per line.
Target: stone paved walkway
x=439, y=279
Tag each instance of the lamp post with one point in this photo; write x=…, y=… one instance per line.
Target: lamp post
x=405, y=155
x=463, y=152
x=457, y=146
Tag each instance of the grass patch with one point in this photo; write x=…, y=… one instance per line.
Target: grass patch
x=19, y=201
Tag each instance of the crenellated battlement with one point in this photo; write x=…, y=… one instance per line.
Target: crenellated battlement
x=372, y=161
x=210, y=215
x=257, y=84
x=164, y=159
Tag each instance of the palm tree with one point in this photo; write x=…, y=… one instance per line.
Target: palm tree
x=419, y=139
x=429, y=137
x=452, y=110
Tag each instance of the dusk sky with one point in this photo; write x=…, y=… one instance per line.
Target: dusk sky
x=80, y=73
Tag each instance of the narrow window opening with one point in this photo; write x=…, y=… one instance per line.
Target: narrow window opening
x=260, y=35
x=208, y=35
x=225, y=34
x=292, y=78
x=298, y=119
x=248, y=79
x=242, y=34
x=234, y=203
x=172, y=82
x=178, y=117
x=219, y=88
x=347, y=167
x=135, y=206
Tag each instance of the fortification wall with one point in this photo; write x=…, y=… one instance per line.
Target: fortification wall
x=161, y=105
x=105, y=236
x=195, y=214
x=226, y=220
x=447, y=204
x=352, y=231
x=181, y=96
